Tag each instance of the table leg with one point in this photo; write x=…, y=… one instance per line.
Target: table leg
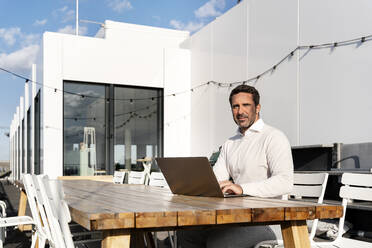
x=115, y=238
x=22, y=208
x=295, y=234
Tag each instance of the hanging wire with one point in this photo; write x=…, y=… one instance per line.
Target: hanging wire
x=254, y=79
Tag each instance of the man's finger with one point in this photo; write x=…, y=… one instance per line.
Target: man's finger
x=225, y=183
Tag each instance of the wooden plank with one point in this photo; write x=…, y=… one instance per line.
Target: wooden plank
x=268, y=214
x=295, y=234
x=80, y=217
x=140, y=206
x=328, y=212
x=229, y=216
x=302, y=213
x=159, y=219
x=197, y=217
x=115, y=238
x=122, y=220
x=22, y=211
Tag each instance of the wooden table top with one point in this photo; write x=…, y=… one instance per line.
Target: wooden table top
x=100, y=205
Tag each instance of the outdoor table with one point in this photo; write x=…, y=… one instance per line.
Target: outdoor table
x=122, y=210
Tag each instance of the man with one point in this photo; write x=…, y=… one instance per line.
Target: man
x=258, y=160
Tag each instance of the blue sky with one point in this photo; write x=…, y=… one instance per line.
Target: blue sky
x=22, y=23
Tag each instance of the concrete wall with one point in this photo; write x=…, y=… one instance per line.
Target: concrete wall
x=153, y=61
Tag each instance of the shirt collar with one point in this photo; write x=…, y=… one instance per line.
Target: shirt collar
x=256, y=127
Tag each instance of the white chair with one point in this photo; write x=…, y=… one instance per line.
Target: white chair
x=157, y=179
x=13, y=221
x=119, y=177
x=136, y=177
x=2, y=215
x=57, y=212
x=305, y=185
x=356, y=187
x=56, y=209
x=37, y=210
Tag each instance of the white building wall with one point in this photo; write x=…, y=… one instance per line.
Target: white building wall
x=335, y=84
x=148, y=64
x=239, y=45
x=315, y=97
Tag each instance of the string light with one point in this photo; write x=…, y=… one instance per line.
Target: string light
x=273, y=68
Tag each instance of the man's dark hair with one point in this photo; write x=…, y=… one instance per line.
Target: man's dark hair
x=246, y=89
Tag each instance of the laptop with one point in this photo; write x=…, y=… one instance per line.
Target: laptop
x=191, y=176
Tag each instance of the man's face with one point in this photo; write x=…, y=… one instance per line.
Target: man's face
x=245, y=112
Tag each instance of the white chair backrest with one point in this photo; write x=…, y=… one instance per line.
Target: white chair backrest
x=356, y=187
x=157, y=179
x=310, y=185
x=52, y=210
x=56, y=195
x=136, y=177
x=119, y=177
x=37, y=207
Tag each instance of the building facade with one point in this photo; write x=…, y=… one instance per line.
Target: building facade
x=135, y=91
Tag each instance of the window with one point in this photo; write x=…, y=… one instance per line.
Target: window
x=106, y=127
x=84, y=128
x=137, y=128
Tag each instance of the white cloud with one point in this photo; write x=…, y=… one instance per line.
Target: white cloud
x=68, y=16
x=119, y=5
x=71, y=30
x=65, y=14
x=40, y=22
x=190, y=26
x=176, y=24
x=29, y=39
x=63, y=9
x=194, y=26
x=9, y=35
x=21, y=59
x=210, y=9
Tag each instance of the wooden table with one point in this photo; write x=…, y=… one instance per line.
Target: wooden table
x=121, y=210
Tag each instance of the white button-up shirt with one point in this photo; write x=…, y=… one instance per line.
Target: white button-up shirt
x=260, y=161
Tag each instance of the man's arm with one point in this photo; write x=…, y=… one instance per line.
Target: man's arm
x=220, y=167
x=280, y=165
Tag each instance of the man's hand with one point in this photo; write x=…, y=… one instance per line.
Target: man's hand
x=230, y=188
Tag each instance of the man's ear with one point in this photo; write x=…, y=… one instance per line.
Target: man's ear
x=258, y=108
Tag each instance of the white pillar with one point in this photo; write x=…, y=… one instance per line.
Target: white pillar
x=18, y=165
x=33, y=94
x=25, y=154
x=77, y=17
x=21, y=117
x=128, y=148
